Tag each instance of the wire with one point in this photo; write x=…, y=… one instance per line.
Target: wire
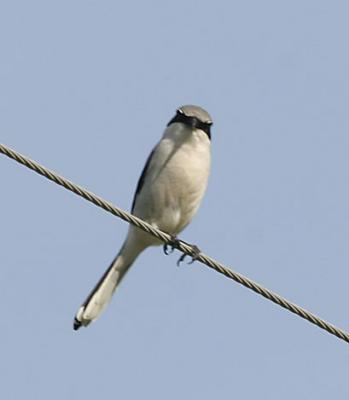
x=182, y=246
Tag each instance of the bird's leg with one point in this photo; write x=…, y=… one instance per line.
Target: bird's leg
x=195, y=254
x=172, y=245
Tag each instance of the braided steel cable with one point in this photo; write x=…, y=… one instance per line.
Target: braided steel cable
x=182, y=246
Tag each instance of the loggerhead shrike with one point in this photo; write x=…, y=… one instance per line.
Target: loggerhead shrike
x=168, y=195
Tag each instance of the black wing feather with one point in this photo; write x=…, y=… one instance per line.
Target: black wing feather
x=141, y=180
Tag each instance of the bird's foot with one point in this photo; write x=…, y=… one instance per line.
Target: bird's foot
x=194, y=256
x=169, y=247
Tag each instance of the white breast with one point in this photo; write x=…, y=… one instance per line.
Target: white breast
x=176, y=179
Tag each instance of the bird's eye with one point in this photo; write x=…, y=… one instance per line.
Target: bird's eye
x=180, y=111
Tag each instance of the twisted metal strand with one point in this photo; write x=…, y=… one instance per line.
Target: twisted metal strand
x=183, y=247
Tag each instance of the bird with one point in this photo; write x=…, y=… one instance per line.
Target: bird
x=168, y=195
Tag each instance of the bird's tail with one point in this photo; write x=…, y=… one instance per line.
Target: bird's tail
x=102, y=293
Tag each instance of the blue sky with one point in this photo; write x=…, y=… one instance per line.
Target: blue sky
x=87, y=88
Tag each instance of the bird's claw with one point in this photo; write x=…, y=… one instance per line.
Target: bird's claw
x=169, y=247
x=194, y=256
x=174, y=244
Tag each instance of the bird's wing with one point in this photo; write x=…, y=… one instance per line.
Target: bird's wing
x=142, y=179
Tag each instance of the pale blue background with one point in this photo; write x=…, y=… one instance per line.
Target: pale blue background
x=86, y=88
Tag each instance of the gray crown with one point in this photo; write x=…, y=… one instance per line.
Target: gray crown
x=197, y=112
